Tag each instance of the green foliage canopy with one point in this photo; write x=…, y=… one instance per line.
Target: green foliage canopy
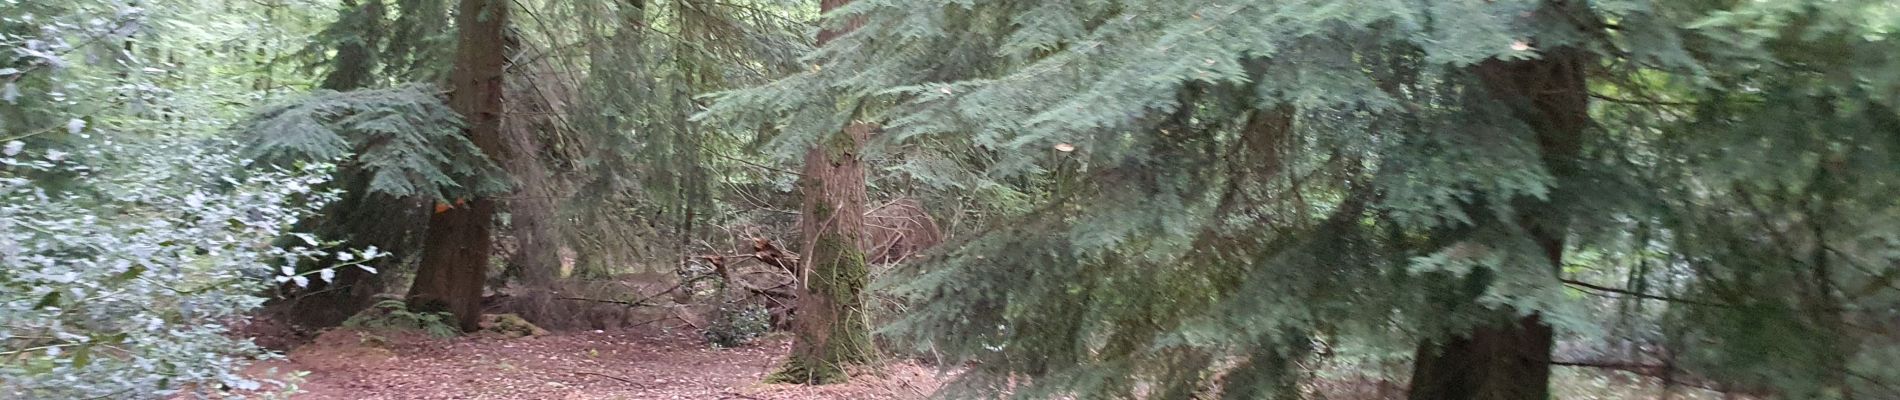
x=1187, y=236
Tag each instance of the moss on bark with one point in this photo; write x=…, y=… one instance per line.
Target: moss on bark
x=832, y=331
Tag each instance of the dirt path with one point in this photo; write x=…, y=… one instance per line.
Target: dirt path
x=348, y=365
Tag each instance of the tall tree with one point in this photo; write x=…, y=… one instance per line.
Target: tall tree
x=536, y=94
x=395, y=138
x=455, y=253
x=1447, y=179
x=831, y=330
x=356, y=39
x=1511, y=360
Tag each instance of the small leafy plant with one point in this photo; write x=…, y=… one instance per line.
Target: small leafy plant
x=394, y=314
x=737, y=324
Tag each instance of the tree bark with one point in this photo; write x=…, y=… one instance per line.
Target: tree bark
x=455, y=252
x=1491, y=363
x=830, y=330
x=1512, y=361
x=532, y=209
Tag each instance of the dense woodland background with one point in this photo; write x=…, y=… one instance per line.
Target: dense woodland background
x=1184, y=199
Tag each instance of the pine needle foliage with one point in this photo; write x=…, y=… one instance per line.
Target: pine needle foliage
x=1783, y=214
x=356, y=38
x=1218, y=186
x=402, y=150
x=647, y=182
x=404, y=139
x=380, y=43
x=371, y=44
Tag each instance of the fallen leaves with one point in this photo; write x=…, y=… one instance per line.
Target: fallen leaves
x=580, y=365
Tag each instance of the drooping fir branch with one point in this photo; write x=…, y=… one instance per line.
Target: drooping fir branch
x=405, y=139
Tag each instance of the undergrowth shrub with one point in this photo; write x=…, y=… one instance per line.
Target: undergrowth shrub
x=736, y=324
x=122, y=262
x=394, y=314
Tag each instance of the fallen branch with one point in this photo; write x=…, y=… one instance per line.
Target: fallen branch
x=1639, y=368
x=642, y=302
x=688, y=321
x=622, y=380
x=625, y=303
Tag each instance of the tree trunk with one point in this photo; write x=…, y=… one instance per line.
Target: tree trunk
x=1271, y=371
x=830, y=330
x=536, y=262
x=1492, y=363
x=455, y=252
x=1512, y=362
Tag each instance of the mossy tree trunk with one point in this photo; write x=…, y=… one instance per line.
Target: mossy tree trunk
x=1512, y=361
x=455, y=252
x=830, y=330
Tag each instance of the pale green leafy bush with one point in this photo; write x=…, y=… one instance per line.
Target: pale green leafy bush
x=122, y=264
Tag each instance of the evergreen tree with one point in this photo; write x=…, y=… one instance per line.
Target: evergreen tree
x=387, y=184
x=650, y=177
x=831, y=330
x=534, y=97
x=1228, y=181
x=1513, y=360
x=357, y=34
x=454, y=264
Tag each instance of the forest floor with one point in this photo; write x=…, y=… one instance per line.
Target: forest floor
x=655, y=364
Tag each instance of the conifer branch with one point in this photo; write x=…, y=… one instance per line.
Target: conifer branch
x=622, y=380
x=760, y=166
x=1876, y=382
x=1645, y=296
x=1641, y=102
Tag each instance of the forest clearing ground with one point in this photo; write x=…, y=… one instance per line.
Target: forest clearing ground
x=352, y=365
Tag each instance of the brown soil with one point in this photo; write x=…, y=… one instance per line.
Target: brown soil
x=353, y=365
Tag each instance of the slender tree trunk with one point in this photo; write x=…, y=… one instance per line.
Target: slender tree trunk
x=830, y=330
x=1821, y=296
x=455, y=252
x=536, y=261
x=1512, y=361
